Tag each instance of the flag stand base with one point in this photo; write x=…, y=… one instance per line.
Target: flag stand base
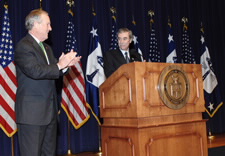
x=210, y=136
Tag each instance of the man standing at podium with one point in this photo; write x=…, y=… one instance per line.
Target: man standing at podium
x=113, y=59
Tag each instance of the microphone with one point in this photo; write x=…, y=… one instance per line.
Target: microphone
x=134, y=57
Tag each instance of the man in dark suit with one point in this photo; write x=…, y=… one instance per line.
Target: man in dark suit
x=113, y=59
x=36, y=104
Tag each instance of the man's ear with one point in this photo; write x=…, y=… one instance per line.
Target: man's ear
x=36, y=24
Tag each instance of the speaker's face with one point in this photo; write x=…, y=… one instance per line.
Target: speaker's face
x=124, y=40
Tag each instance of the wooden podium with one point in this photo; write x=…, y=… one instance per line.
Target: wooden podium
x=136, y=122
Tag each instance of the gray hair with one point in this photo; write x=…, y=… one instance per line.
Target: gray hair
x=34, y=16
x=121, y=30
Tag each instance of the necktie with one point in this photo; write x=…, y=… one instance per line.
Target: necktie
x=126, y=57
x=43, y=49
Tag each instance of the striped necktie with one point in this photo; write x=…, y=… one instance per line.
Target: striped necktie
x=43, y=49
x=126, y=57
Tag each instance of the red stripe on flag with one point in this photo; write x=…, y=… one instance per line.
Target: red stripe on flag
x=6, y=127
x=75, y=87
x=11, y=74
x=78, y=74
x=73, y=102
x=7, y=88
x=69, y=112
x=7, y=108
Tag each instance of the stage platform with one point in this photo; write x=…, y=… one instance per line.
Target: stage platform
x=215, y=141
x=216, y=145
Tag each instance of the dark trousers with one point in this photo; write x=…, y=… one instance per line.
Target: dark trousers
x=37, y=140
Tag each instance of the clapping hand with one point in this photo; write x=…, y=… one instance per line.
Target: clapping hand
x=68, y=59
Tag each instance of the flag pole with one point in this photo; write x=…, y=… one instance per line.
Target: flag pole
x=68, y=135
x=12, y=146
x=100, y=141
x=209, y=132
x=70, y=3
x=41, y=4
x=69, y=153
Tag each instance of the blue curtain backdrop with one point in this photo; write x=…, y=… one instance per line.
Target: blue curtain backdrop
x=210, y=13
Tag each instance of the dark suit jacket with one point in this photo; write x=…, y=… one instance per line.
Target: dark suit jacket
x=36, y=102
x=113, y=59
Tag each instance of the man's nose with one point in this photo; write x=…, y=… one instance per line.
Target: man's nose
x=50, y=28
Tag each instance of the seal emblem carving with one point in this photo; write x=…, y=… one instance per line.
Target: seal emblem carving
x=174, y=87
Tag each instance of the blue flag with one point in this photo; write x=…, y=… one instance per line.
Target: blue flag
x=154, y=53
x=187, y=55
x=172, y=54
x=212, y=94
x=94, y=71
x=135, y=39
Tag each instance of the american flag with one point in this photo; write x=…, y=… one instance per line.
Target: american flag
x=172, y=55
x=7, y=79
x=154, y=53
x=114, y=44
x=135, y=39
x=94, y=72
x=187, y=55
x=212, y=94
x=73, y=93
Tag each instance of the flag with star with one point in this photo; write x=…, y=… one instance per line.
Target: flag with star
x=73, y=92
x=135, y=39
x=154, y=53
x=8, y=81
x=172, y=55
x=94, y=70
x=114, y=44
x=187, y=55
x=212, y=94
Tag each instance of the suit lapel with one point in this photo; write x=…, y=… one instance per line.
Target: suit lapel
x=120, y=57
x=38, y=48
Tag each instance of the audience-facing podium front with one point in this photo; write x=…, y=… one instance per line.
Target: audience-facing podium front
x=137, y=120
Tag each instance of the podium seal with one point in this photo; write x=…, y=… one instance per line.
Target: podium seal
x=174, y=87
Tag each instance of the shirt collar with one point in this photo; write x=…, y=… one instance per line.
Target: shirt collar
x=37, y=40
x=123, y=52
